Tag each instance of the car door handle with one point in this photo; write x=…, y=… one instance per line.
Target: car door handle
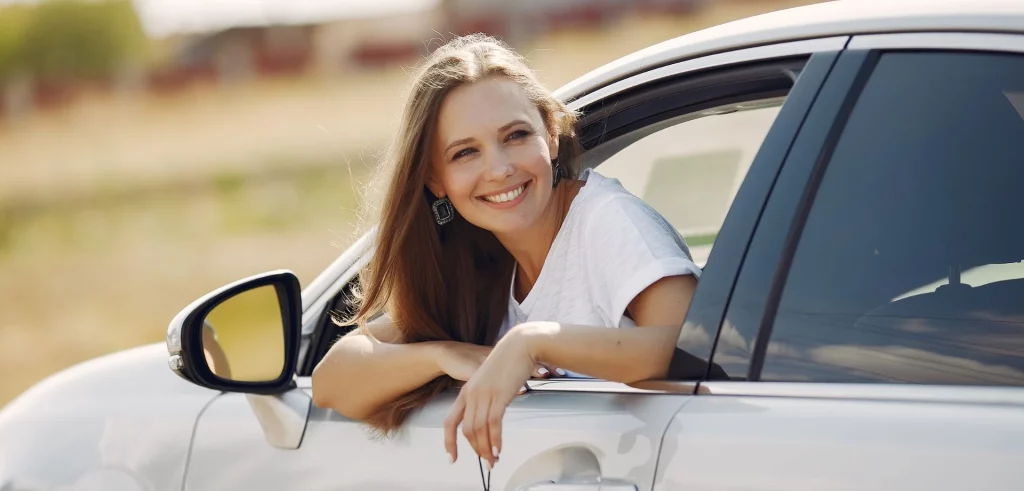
x=605, y=485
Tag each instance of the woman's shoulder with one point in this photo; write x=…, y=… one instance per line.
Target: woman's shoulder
x=613, y=216
x=605, y=198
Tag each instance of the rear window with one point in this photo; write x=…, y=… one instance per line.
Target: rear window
x=909, y=266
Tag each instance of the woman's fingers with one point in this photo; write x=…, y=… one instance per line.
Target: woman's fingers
x=468, y=429
x=547, y=371
x=495, y=415
x=481, y=439
x=451, y=426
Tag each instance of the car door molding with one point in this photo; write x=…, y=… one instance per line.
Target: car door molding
x=952, y=394
x=754, y=54
x=604, y=386
x=946, y=41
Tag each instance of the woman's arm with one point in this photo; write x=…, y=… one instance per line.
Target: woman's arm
x=622, y=355
x=619, y=355
x=360, y=373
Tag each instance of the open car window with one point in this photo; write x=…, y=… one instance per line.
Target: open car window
x=690, y=170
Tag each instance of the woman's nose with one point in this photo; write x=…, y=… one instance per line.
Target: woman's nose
x=499, y=165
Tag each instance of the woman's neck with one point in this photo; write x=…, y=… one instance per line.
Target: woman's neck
x=530, y=247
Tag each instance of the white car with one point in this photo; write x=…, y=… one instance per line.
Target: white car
x=854, y=169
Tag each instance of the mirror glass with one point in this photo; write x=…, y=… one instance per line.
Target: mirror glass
x=243, y=337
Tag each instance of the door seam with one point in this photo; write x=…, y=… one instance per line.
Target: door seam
x=661, y=441
x=192, y=439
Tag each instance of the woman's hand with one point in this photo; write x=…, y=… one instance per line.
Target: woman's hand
x=481, y=404
x=460, y=360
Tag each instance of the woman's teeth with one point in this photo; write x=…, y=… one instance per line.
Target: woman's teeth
x=505, y=197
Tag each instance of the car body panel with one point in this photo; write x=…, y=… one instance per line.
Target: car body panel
x=548, y=435
x=119, y=422
x=815, y=436
x=812, y=437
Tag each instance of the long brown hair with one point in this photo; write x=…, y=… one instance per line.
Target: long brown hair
x=447, y=282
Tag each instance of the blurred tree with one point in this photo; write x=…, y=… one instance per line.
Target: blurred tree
x=14, y=20
x=68, y=39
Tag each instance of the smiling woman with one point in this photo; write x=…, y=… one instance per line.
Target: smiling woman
x=498, y=260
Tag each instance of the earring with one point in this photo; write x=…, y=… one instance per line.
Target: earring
x=556, y=170
x=444, y=212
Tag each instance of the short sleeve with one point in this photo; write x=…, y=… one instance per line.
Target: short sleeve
x=629, y=246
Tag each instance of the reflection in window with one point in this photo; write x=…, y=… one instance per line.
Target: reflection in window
x=977, y=276
x=909, y=266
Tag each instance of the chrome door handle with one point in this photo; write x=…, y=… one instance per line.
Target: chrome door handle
x=604, y=485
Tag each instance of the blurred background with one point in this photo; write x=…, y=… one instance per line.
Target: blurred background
x=153, y=150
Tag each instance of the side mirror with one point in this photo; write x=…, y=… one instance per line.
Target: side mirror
x=242, y=337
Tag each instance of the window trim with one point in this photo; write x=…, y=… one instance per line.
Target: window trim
x=860, y=59
x=945, y=41
x=949, y=394
x=741, y=56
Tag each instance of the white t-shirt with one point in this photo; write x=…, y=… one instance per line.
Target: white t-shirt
x=611, y=246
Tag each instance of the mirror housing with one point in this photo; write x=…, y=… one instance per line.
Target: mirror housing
x=185, y=334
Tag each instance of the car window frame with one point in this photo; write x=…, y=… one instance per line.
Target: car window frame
x=762, y=279
x=655, y=83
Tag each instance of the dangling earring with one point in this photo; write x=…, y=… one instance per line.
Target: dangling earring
x=556, y=170
x=444, y=212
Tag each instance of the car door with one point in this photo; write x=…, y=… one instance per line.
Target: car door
x=662, y=133
x=875, y=336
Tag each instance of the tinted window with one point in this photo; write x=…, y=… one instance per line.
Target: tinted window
x=909, y=266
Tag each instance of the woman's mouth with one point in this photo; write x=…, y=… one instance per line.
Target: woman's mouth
x=507, y=198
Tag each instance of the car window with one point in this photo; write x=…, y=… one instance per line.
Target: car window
x=908, y=267
x=690, y=170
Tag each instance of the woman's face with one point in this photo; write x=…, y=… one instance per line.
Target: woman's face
x=492, y=156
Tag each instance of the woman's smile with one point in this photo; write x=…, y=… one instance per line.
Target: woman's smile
x=507, y=198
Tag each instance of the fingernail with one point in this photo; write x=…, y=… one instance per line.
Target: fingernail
x=451, y=459
x=543, y=371
x=559, y=371
x=494, y=451
x=487, y=466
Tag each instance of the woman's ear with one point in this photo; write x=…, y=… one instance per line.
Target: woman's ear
x=434, y=187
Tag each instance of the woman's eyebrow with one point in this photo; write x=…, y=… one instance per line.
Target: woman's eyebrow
x=511, y=124
x=467, y=140
x=456, y=143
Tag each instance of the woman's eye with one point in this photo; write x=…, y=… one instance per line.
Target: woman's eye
x=518, y=134
x=463, y=153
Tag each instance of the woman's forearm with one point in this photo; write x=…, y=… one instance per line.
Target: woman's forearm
x=624, y=355
x=359, y=374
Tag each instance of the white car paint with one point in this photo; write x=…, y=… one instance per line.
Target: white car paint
x=827, y=19
x=603, y=434
x=119, y=422
x=862, y=437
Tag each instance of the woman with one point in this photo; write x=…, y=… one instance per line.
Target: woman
x=494, y=262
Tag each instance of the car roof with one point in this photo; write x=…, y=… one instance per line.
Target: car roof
x=828, y=19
